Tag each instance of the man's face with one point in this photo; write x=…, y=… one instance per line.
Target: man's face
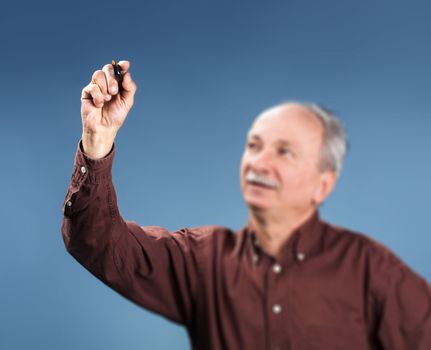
x=280, y=165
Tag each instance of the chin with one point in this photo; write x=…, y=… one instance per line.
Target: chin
x=256, y=204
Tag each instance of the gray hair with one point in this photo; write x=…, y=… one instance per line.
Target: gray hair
x=335, y=143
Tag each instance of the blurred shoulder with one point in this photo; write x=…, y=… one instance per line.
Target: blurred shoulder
x=339, y=234
x=367, y=247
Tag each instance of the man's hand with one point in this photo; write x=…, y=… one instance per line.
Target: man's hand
x=104, y=109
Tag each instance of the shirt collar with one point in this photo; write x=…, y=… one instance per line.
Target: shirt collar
x=308, y=240
x=304, y=242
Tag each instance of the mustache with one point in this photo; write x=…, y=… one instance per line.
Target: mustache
x=256, y=178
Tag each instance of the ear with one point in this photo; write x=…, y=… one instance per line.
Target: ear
x=327, y=180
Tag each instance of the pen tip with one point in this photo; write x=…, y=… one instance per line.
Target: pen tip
x=114, y=62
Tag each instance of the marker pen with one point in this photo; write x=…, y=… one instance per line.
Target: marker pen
x=117, y=75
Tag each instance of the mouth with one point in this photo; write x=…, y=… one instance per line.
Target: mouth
x=259, y=181
x=259, y=185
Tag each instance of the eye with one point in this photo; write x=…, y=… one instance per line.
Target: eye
x=251, y=145
x=284, y=151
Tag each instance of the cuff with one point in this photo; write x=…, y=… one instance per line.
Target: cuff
x=90, y=168
x=90, y=171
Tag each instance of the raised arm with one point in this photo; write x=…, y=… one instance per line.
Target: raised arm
x=148, y=265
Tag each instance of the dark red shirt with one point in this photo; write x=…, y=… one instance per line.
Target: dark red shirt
x=330, y=289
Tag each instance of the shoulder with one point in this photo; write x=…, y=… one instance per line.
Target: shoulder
x=192, y=236
x=208, y=231
x=361, y=242
x=216, y=241
x=382, y=266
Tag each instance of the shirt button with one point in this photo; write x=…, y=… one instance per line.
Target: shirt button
x=276, y=268
x=83, y=169
x=255, y=258
x=69, y=203
x=301, y=256
x=276, y=308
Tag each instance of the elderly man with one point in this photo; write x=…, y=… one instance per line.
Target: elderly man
x=287, y=280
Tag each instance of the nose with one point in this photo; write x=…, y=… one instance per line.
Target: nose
x=262, y=161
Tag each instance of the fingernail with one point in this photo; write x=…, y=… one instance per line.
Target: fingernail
x=114, y=89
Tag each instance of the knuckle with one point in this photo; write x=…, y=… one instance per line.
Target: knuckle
x=96, y=75
x=107, y=68
x=113, y=83
x=88, y=91
x=100, y=84
x=98, y=99
x=95, y=89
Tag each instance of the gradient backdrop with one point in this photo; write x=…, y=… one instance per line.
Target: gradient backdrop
x=204, y=69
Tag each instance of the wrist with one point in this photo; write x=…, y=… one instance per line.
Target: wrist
x=96, y=145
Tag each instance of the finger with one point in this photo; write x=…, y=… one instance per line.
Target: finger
x=125, y=66
x=92, y=92
x=99, y=78
x=129, y=89
x=124, y=69
x=108, y=69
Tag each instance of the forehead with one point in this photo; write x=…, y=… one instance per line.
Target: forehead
x=291, y=123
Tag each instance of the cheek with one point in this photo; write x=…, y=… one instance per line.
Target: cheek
x=298, y=181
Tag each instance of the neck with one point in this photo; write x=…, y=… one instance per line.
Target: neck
x=273, y=231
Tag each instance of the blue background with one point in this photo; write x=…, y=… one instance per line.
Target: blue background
x=204, y=69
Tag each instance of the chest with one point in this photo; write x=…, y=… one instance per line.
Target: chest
x=316, y=302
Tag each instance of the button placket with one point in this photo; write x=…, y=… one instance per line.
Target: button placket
x=275, y=303
x=79, y=176
x=273, y=276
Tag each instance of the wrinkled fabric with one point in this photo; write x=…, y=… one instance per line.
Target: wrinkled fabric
x=331, y=288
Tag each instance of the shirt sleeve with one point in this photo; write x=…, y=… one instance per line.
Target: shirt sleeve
x=404, y=304
x=152, y=267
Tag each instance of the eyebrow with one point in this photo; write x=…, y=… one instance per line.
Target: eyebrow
x=252, y=136
x=279, y=141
